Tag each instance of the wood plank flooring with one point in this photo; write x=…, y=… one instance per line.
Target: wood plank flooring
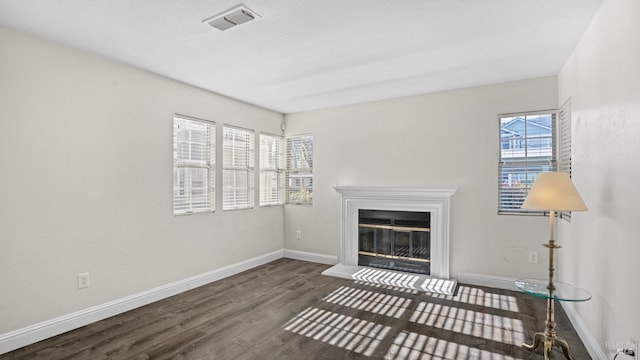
x=287, y=310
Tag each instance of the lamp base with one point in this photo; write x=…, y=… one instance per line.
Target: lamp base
x=549, y=342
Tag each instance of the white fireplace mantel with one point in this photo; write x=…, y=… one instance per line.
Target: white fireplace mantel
x=424, y=199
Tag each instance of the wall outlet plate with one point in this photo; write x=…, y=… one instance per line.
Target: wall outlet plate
x=533, y=257
x=83, y=280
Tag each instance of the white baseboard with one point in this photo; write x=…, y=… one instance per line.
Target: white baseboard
x=590, y=342
x=311, y=257
x=499, y=282
x=46, y=329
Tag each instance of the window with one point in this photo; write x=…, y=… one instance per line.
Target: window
x=237, y=168
x=193, y=165
x=564, y=145
x=271, y=175
x=299, y=173
x=527, y=148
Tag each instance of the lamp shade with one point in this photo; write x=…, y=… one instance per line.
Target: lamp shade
x=554, y=191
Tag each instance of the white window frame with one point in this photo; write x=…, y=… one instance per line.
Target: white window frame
x=238, y=156
x=299, y=170
x=189, y=159
x=512, y=193
x=271, y=169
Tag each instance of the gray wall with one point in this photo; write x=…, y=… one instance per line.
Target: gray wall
x=86, y=183
x=601, y=247
x=443, y=139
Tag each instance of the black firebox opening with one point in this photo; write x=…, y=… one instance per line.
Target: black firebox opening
x=397, y=240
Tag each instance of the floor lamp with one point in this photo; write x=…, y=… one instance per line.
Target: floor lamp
x=552, y=191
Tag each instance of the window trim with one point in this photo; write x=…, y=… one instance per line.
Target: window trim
x=553, y=162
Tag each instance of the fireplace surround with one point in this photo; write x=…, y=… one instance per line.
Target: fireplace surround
x=435, y=201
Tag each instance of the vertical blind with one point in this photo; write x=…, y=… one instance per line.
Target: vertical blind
x=271, y=175
x=237, y=168
x=564, y=145
x=527, y=148
x=299, y=169
x=193, y=165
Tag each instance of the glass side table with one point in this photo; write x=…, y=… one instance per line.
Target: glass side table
x=554, y=291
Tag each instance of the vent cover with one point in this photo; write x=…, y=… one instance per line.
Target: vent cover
x=231, y=18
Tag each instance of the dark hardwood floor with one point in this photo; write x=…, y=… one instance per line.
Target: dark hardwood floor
x=287, y=310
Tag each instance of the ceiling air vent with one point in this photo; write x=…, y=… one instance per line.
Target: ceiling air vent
x=231, y=18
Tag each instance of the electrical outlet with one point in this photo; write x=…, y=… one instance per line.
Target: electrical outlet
x=299, y=235
x=533, y=257
x=83, y=280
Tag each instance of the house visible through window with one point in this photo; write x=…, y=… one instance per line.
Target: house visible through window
x=193, y=165
x=271, y=174
x=299, y=170
x=237, y=168
x=527, y=148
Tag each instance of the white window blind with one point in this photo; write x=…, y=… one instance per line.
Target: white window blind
x=527, y=148
x=237, y=168
x=564, y=145
x=299, y=169
x=193, y=165
x=271, y=174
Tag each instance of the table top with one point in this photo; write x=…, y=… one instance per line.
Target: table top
x=563, y=291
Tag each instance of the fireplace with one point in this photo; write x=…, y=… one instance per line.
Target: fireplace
x=396, y=240
x=433, y=230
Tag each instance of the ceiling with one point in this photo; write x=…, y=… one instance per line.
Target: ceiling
x=309, y=54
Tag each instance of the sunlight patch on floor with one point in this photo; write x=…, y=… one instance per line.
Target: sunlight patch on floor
x=475, y=296
x=404, y=280
x=387, y=287
x=487, y=326
x=346, y=332
x=375, y=302
x=386, y=278
x=454, y=321
x=409, y=345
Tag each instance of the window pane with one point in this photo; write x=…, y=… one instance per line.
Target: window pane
x=191, y=190
x=191, y=141
x=300, y=188
x=271, y=188
x=516, y=181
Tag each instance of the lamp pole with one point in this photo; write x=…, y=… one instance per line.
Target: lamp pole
x=550, y=332
x=549, y=336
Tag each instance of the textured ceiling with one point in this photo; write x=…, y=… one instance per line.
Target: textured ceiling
x=309, y=54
